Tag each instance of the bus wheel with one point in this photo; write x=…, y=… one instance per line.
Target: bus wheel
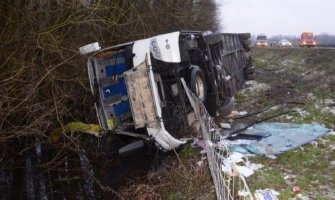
x=198, y=83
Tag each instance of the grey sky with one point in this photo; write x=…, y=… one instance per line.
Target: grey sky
x=272, y=17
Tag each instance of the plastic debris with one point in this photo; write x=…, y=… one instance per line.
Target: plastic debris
x=245, y=171
x=245, y=168
x=331, y=133
x=233, y=114
x=301, y=112
x=242, y=113
x=266, y=194
x=314, y=143
x=200, y=163
x=200, y=143
x=243, y=193
x=283, y=137
x=225, y=125
x=273, y=157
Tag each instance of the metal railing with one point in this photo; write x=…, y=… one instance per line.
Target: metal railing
x=227, y=185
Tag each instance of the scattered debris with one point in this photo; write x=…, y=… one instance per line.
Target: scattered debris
x=266, y=194
x=273, y=157
x=288, y=117
x=286, y=62
x=235, y=164
x=301, y=112
x=254, y=166
x=254, y=87
x=245, y=171
x=243, y=193
x=225, y=125
x=329, y=102
x=301, y=197
x=331, y=133
x=295, y=189
x=199, y=163
x=289, y=179
x=200, y=143
x=311, y=96
x=328, y=110
x=314, y=143
x=242, y=113
x=233, y=114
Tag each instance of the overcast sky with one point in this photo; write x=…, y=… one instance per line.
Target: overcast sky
x=274, y=17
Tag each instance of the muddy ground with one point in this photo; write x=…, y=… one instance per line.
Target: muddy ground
x=301, y=81
x=298, y=82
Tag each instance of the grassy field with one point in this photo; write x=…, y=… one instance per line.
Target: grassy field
x=302, y=80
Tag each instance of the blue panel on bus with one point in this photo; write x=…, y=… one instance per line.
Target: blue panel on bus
x=116, y=56
x=121, y=108
x=112, y=70
x=115, y=65
x=115, y=89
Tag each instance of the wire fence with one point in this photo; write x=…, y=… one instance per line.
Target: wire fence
x=230, y=185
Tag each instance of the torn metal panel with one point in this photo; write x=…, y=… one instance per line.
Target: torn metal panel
x=141, y=96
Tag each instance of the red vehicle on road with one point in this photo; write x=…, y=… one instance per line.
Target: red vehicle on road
x=307, y=40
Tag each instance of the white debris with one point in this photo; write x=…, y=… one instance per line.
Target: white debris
x=286, y=62
x=331, y=133
x=242, y=113
x=200, y=163
x=266, y=194
x=328, y=110
x=233, y=114
x=243, y=193
x=225, y=125
x=288, y=117
x=301, y=112
x=332, y=162
x=311, y=96
x=255, y=87
x=89, y=48
x=245, y=171
x=276, y=107
x=314, y=143
x=301, y=197
x=254, y=166
x=290, y=179
x=235, y=157
x=271, y=156
x=230, y=161
x=227, y=143
x=280, y=71
x=329, y=102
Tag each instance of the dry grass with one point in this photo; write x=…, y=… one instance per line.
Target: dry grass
x=43, y=79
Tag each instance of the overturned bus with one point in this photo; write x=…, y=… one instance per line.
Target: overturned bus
x=138, y=87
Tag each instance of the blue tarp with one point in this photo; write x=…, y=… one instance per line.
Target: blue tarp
x=283, y=137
